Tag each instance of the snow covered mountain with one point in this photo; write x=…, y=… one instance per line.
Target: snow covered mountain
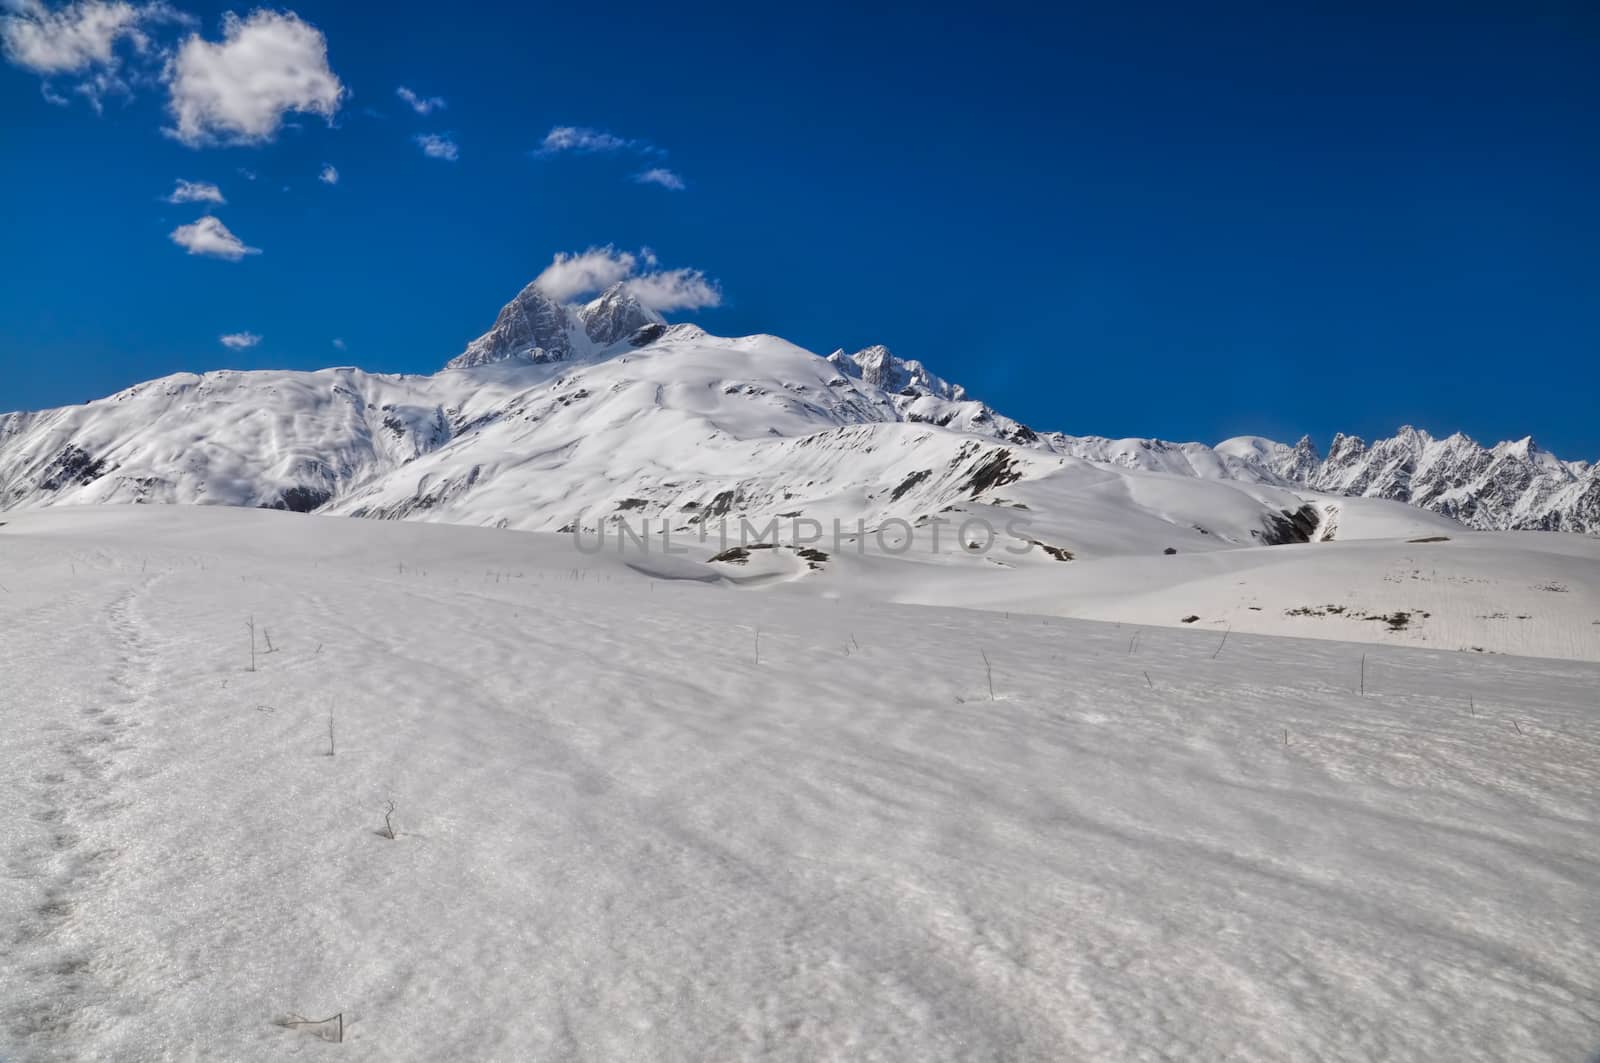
x=1508, y=486
x=573, y=416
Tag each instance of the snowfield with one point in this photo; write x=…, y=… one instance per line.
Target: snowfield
x=643, y=812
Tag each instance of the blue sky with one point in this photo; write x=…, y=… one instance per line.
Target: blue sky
x=1156, y=221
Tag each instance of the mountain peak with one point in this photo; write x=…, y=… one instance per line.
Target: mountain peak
x=614, y=315
x=877, y=365
x=532, y=327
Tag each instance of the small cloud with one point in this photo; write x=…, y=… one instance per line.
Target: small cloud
x=208, y=236
x=238, y=341
x=662, y=176
x=248, y=175
x=435, y=146
x=329, y=175
x=237, y=91
x=420, y=104
x=196, y=192
x=339, y=344
x=571, y=276
x=586, y=140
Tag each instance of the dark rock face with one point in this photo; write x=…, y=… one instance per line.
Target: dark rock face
x=300, y=499
x=1290, y=526
x=72, y=466
x=646, y=335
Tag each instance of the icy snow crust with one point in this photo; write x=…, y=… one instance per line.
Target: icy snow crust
x=641, y=816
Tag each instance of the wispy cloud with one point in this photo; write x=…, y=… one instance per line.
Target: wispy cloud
x=421, y=104
x=339, y=344
x=570, y=276
x=208, y=236
x=435, y=146
x=69, y=40
x=662, y=176
x=196, y=192
x=237, y=91
x=586, y=140
x=329, y=174
x=238, y=341
x=675, y=289
x=82, y=40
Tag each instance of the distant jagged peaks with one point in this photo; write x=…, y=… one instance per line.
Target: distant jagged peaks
x=877, y=366
x=535, y=328
x=1514, y=484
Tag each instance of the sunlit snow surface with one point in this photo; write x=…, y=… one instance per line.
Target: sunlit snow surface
x=654, y=818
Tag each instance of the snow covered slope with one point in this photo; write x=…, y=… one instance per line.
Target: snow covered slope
x=639, y=816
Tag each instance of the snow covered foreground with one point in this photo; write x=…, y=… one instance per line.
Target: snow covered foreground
x=642, y=817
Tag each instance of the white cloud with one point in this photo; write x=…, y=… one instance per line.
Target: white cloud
x=237, y=91
x=581, y=138
x=81, y=39
x=210, y=237
x=329, y=174
x=675, y=289
x=662, y=176
x=339, y=344
x=571, y=276
x=196, y=192
x=71, y=39
x=435, y=146
x=238, y=341
x=420, y=104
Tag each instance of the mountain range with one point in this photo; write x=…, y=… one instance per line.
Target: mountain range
x=568, y=416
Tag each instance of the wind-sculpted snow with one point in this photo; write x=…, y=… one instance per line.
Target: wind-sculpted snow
x=638, y=815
